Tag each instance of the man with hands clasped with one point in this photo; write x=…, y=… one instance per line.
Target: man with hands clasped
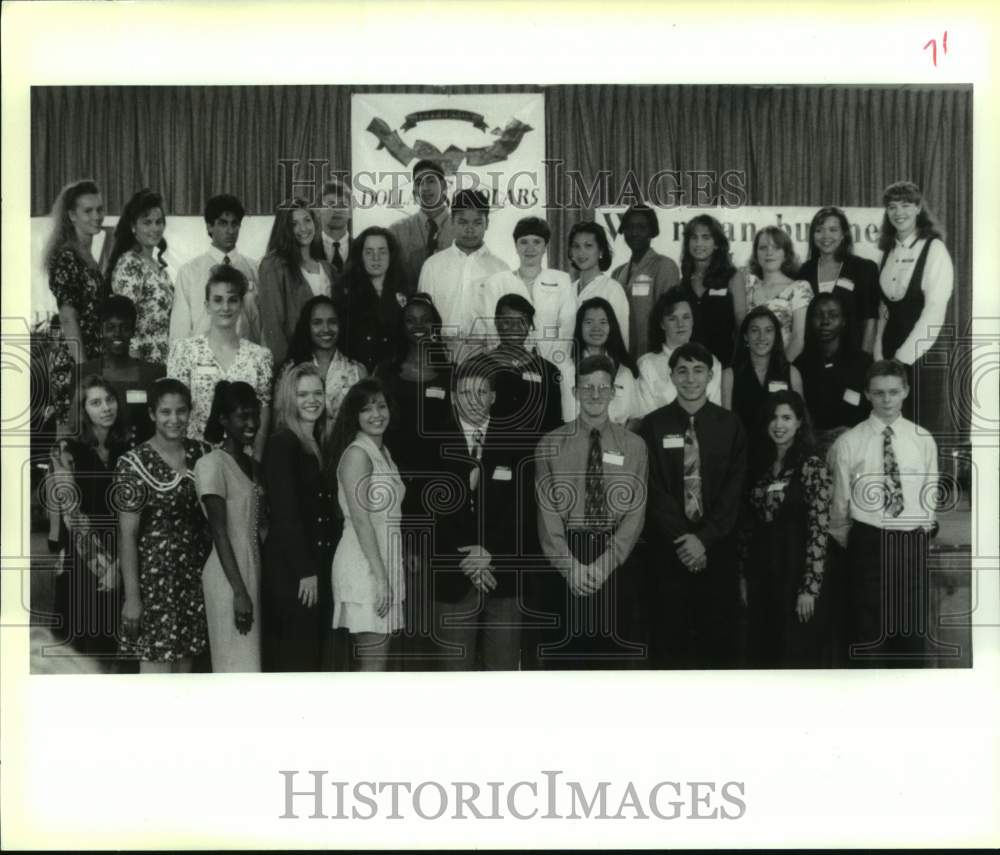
x=591, y=489
x=697, y=469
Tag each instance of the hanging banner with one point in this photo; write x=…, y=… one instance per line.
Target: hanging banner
x=491, y=142
x=741, y=225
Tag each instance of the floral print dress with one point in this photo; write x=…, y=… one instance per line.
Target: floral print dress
x=174, y=543
x=783, y=552
x=153, y=294
x=794, y=296
x=74, y=283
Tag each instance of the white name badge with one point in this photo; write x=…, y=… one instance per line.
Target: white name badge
x=846, y=284
x=774, y=486
x=135, y=396
x=673, y=441
x=777, y=386
x=550, y=284
x=718, y=292
x=502, y=473
x=640, y=289
x=852, y=397
x=614, y=459
x=532, y=376
x=434, y=392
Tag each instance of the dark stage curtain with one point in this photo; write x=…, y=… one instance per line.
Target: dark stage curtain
x=797, y=145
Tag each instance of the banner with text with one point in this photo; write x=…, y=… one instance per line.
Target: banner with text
x=740, y=226
x=493, y=142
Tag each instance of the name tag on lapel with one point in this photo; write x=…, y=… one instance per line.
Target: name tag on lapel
x=775, y=486
x=502, y=473
x=777, y=386
x=846, y=284
x=640, y=288
x=434, y=392
x=532, y=376
x=614, y=459
x=673, y=440
x=718, y=292
x=852, y=397
x=135, y=396
x=549, y=284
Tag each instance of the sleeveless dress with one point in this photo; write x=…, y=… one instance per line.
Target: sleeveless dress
x=218, y=474
x=353, y=580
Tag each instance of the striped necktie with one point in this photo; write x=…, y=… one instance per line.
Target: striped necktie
x=890, y=467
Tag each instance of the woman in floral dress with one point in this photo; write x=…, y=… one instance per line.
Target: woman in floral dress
x=203, y=360
x=164, y=539
x=316, y=339
x=139, y=272
x=75, y=282
x=783, y=548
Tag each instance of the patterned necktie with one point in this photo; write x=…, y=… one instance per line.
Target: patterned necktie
x=692, y=474
x=477, y=454
x=595, y=508
x=337, y=262
x=226, y=261
x=432, y=237
x=893, y=486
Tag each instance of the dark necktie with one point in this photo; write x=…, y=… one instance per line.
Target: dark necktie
x=477, y=455
x=893, y=485
x=432, y=237
x=692, y=475
x=337, y=262
x=595, y=507
x=226, y=261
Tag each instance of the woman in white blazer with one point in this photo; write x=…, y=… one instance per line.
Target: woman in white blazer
x=549, y=291
x=590, y=258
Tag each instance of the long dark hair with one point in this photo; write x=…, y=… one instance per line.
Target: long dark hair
x=80, y=426
x=401, y=347
x=802, y=446
x=906, y=191
x=614, y=346
x=282, y=244
x=300, y=348
x=777, y=361
x=846, y=246
x=228, y=398
x=345, y=428
x=720, y=265
x=847, y=341
x=357, y=284
x=124, y=240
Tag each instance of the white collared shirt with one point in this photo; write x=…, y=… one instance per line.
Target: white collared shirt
x=454, y=280
x=858, y=470
x=656, y=389
x=552, y=295
x=937, y=285
x=344, y=242
x=611, y=290
x=187, y=315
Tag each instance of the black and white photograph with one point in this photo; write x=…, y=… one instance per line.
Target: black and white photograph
x=389, y=394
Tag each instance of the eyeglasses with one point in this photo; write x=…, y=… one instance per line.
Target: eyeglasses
x=601, y=391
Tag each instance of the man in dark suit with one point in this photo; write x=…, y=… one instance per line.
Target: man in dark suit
x=697, y=470
x=335, y=219
x=475, y=560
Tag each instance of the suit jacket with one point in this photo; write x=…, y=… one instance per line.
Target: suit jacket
x=281, y=299
x=722, y=445
x=488, y=516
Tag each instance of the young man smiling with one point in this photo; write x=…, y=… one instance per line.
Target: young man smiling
x=430, y=229
x=697, y=469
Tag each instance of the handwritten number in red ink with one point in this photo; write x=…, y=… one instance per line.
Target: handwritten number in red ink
x=932, y=44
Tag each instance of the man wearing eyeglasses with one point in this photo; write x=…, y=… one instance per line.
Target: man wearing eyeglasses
x=590, y=481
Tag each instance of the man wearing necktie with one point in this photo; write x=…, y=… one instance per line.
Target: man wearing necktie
x=429, y=230
x=697, y=469
x=885, y=474
x=590, y=480
x=335, y=220
x=475, y=562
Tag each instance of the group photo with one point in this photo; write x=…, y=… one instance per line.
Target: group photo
x=500, y=378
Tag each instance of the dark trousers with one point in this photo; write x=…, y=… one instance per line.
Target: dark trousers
x=888, y=598
x=692, y=616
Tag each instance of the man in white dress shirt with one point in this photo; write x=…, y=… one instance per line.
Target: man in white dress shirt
x=223, y=218
x=885, y=473
x=455, y=277
x=335, y=222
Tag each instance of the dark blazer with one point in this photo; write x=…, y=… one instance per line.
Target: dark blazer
x=526, y=409
x=723, y=450
x=488, y=516
x=862, y=300
x=368, y=322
